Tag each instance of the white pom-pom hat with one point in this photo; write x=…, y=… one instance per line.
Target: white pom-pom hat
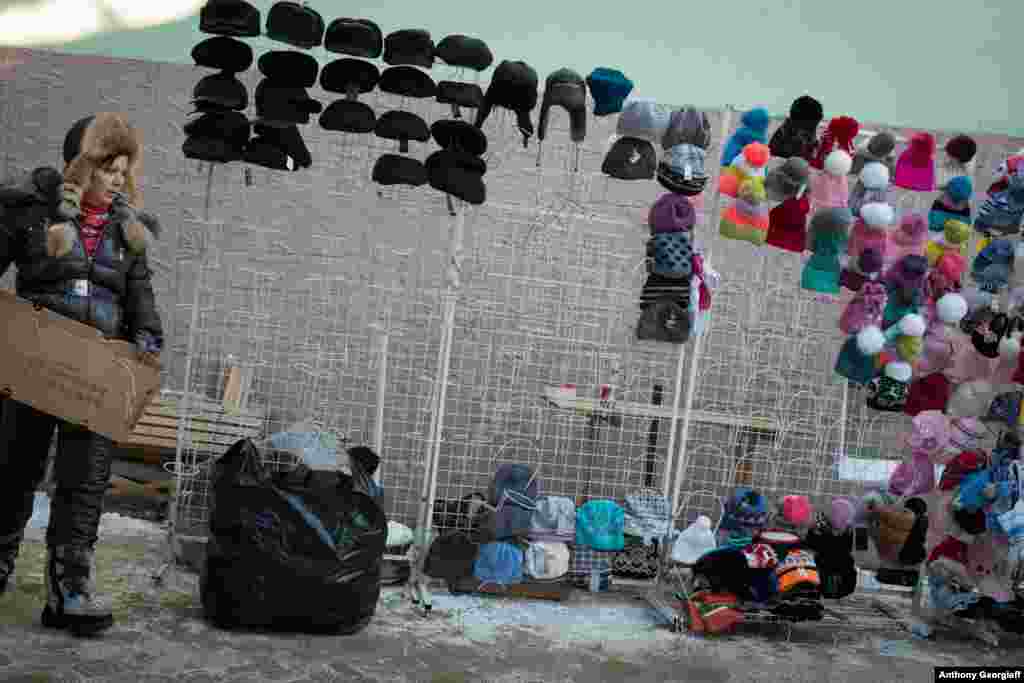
x=838, y=163
x=951, y=308
x=870, y=340
x=875, y=176
x=878, y=215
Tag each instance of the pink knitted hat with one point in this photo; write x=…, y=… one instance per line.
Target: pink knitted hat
x=797, y=510
x=915, y=169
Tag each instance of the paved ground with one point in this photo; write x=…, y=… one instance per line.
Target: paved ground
x=160, y=636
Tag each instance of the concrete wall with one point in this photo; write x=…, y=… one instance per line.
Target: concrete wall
x=292, y=267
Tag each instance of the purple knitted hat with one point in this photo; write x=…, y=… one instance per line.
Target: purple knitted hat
x=672, y=213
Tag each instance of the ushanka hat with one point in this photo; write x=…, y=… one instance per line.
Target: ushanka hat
x=464, y=52
x=514, y=87
x=395, y=169
x=458, y=174
x=298, y=25
x=356, y=37
x=223, y=53
x=565, y=88
x=409, y=47
x=296, y=68
x=230, y=18
x=348, y=116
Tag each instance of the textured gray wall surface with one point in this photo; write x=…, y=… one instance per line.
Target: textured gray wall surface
x=292, y=270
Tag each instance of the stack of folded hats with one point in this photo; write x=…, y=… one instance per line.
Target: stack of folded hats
x=685, y=143
x=514, y=87
x=221, y=132
x=609, y=88
x=282, y=98
x=632, y=156
x=353, y=75
x=787, y=221
x=458, y=169
x=567, y=89
x=408, y=54
x=462, y=52
x=953, y=204
x=665, y=302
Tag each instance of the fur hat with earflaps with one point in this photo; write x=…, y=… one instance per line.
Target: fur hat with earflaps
x=93, y=142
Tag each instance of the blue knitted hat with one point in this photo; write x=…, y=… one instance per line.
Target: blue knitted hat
x=960, y=188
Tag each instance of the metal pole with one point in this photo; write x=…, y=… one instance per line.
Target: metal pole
x=677, y=396
x=439, y=399
x=698, y=344
x=382, y=385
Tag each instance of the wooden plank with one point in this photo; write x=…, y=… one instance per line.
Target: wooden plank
x=241, y=419
x=194, y=436
x=536, y=590
x=194, y=425
x=632, y=409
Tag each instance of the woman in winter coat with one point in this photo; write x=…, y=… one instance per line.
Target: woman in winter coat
x=79, y=243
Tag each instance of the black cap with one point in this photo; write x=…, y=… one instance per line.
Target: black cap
x=215, y=150
x=462, y=51
x=281, y=105
x=224, y=54
x=460, y=135
x=407, y=81
x=297, y=25
x=231, y=126
x=263, y=153
x=289, y=66
x=287, y=138
x=402, y=126
x=393, y=169
x=221, y=90
x=467, y=95
x=341, y=74
x=356, y=37
x=411, y=47
x=348, y=116
x=230, y=18
x=451, y=173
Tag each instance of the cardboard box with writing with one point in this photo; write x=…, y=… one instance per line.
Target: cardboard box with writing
x=67, y=369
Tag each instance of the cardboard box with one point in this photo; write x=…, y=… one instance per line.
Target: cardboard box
x=67, y=369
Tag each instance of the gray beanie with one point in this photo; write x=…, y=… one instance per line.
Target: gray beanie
x=784, y=181
x=879, y=148
x=831, y=220
x=687, y=126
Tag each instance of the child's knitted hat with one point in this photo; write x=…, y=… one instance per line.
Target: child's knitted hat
x=915, y=168
x=962, y=148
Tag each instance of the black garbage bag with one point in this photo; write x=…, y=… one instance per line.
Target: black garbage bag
x=296, y=551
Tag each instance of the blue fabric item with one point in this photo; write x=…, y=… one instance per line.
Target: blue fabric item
x=311, y=519
x=754, y=128
x=763, y=584
x=947, y=599
x=971, y=496
x=854, y=365
x=996, y=252
x=647, y=516
x=609, y=88
x=746, y=510
x=960, y=188
x=600, y=525
x=673, y=254
x=515, y=515
x=515, y=478
x=499, y=563
x=318, y=450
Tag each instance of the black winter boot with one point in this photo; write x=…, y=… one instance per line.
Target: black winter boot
x=8, y=552
x=71, y=600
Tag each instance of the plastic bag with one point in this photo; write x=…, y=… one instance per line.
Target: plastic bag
x=299, y=550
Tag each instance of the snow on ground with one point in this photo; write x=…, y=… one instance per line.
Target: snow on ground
x=111, y=523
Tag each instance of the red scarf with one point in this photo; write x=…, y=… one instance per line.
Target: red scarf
x=94, y=222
